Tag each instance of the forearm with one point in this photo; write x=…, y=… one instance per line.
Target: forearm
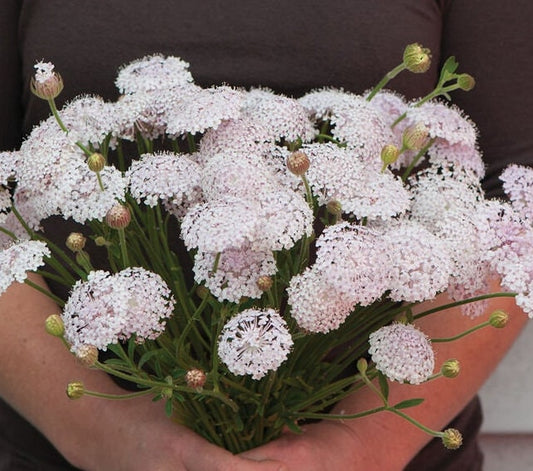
x=92, y=433
x=444, y=398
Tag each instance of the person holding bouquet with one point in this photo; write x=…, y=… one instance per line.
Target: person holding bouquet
x=291, y=48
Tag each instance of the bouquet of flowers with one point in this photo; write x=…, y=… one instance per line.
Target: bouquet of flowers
x=251, y=259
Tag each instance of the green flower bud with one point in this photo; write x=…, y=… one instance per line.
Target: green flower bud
x=96, y=162
x=100, y=241
x=362, y=365
x=54, y=325
x=466, y=82
x=415, y=137
x=75, y=390
x=416, y=58
x=452, y=438
x=389, y=154
x=450, y=368
x=499, y=319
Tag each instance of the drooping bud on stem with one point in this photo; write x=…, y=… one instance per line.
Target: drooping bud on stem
x=298, y=162
x=54, y=325
x=75, y=390
x=466, y=82
x=450, y=368
x=499, y=319
x=389, y=154
x=452, y=438
x=417, y=59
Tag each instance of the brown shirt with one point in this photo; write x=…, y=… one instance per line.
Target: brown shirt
x=289, y=46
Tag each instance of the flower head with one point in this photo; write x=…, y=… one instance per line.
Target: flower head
x=20, y=258
x=402, y=352
x=254, y=342
x=111, y=307
x=46, y=83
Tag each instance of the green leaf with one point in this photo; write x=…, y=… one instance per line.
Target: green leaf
x=383, y=385
x=448, y=70
x=409, y=403
x=239, y=425
x=168, y=408
x=147, y=356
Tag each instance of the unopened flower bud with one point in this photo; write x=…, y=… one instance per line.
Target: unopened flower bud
x=298, y=162
x=499, y=319
x=264, y=283
x=202, y=292
x=389, y=154
x=101, y=241
x=362, y=365
x=54, y=325
x=452, y=438
x=118, y=217
x=416, y=58
x=75, y=390
x=46, y=83
x=334, y=207
x=450, y=368
x=415, y=137
x=96, y=162
x=195, y=378
x=87, y=355
x=75, y=241
x=466, y=82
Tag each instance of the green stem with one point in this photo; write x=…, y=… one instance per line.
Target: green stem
x=421, y=426
x=417, y=158
x=386, y=79
x=123, y=247
x=118, y=396
x=53, y=108
x=461, y=335
x=464, y=301
x=52, y=296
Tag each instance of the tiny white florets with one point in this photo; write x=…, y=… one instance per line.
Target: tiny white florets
x=402, y=352
x=254, y=342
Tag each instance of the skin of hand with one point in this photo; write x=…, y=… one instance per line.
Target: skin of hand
x=93, y=433
x=385, y=441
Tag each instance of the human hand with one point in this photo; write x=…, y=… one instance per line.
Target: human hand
x=321, y=446
x=138, y=436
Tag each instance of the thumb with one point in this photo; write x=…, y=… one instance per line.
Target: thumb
x=263, y=465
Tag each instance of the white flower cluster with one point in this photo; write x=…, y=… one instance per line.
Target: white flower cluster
x=402, y=352
x=240, y=209
x=109, y=307
x=20, y=258
x=254, y=342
